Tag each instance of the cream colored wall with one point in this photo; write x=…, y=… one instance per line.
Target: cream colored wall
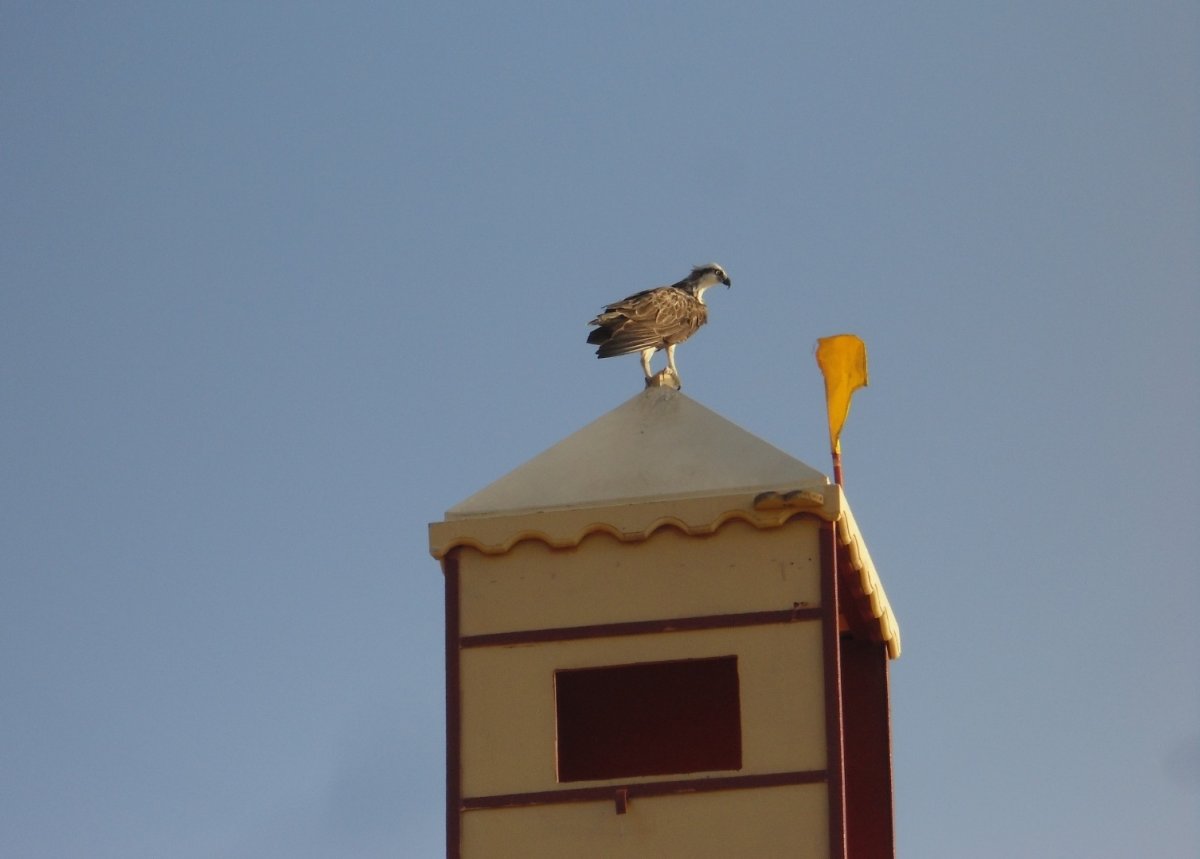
x=766, y=823
x=508, y=716
x=738, y=569
x=507, y=692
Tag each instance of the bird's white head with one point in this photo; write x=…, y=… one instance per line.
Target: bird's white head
x=704, y=276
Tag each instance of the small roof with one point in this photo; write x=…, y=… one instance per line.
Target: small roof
x=659, y=444
x=663, y=460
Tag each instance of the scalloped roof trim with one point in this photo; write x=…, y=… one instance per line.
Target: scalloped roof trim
x=866, y=587
x=637, y=536
x=632, y=523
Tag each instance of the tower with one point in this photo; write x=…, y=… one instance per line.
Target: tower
x=664, y=638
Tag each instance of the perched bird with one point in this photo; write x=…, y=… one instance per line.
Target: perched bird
x=654, y=319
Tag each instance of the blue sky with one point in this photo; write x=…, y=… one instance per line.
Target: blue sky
x=280, y=283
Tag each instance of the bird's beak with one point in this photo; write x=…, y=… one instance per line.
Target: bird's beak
x=728, y=283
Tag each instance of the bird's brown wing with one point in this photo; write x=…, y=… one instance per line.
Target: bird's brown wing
x=651, y=319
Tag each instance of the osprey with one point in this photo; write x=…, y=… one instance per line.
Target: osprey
x=654, y=319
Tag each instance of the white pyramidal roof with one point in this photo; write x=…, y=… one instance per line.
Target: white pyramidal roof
x=659, y=444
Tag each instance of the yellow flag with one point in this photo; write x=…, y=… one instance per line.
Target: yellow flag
x=843, y=361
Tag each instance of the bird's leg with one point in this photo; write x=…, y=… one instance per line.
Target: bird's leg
x=671, y=365
x=646, y=355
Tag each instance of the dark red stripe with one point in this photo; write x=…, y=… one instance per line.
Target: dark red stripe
x=831, y=653
x=642, y=627
x=453, y=710
x=644, y=789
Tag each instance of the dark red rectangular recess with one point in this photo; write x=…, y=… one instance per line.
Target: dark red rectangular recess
x=649, y=718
